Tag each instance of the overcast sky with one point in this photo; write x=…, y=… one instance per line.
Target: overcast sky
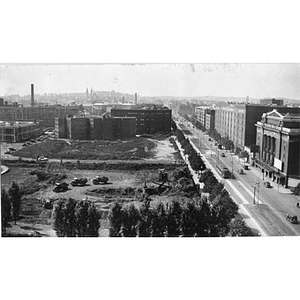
x=189, y=80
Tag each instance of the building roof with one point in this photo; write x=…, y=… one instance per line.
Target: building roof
x=16, y=123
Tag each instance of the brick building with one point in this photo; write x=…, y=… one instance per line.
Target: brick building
x=18, y=131
x=278, y=138
x=47, y=113
x=94, y=128
x=149, y=121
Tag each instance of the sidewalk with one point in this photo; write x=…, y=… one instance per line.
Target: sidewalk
x=281, y=189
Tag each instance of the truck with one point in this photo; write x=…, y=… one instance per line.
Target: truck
x=100, y=180
x=79, y=182
x=60, y=187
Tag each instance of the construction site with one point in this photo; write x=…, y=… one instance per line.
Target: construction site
x=161, y=176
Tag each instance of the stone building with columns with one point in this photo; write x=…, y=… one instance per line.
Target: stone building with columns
x=278, y=139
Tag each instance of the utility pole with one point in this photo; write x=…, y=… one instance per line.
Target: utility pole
x=258, y=186
x=231, y=167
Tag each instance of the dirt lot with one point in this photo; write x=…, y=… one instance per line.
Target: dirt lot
x=134, y=148
x=36, y=221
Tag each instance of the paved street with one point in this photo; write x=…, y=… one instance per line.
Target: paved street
x=270, y=205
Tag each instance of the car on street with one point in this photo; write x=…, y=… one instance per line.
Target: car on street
x=42, y=158
x=222, y=154
x=291, y=218
x=267, y=184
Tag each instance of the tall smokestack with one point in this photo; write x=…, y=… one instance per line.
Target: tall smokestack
x=135, y=97
x=32, y=94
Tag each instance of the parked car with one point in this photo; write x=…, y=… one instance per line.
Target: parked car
x=60, y=187
x=292, y=219
x=12, y=149
x=267, y=184
x=100, y=180
x=79, y=182
x=7, y=152
x=241, y=171
x=42, y=158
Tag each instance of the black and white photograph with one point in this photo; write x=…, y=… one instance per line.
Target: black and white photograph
x=149, y=149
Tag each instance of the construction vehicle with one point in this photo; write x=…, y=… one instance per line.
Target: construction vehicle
x=79, y=182
x=47, y=204
x=100, y=180
x=60, y=187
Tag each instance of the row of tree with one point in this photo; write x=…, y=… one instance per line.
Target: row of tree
x=10, y=205
x=195, y=159
x=76, y=218
x=193, y=219
x=218, y=195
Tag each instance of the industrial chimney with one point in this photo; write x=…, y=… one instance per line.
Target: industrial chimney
x=32, y=94
x=135, y=97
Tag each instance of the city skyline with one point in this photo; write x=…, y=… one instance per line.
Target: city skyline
x=177, y=80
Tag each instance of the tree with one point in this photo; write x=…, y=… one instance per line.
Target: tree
x=209, y=184
x=145, y=220
x=238, y=227
x=189, y=219
x=158, y=222
x=87, y=219
x=64, y=218
x=217, y=189
x=115, y=218
x=174, y=212
x=204, y=220
x=5, y=210
x=15, y=199
x=205, y=175
x=223, y=211
x=73, y=218
x=131, y=218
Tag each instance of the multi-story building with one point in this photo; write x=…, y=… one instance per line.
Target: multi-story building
x=149, y=121
x=210, y=119
x=237, y=121
x=205, y=115
x=46, y=113
x=278, y=138
x=271, y=101
x=17, y=131
x=95, y=128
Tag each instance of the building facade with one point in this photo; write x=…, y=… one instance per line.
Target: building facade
x=237, y=121
x=18, y=131
x=278, y=138
x=93, y=128
x=45, y=113
x=149, y=121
